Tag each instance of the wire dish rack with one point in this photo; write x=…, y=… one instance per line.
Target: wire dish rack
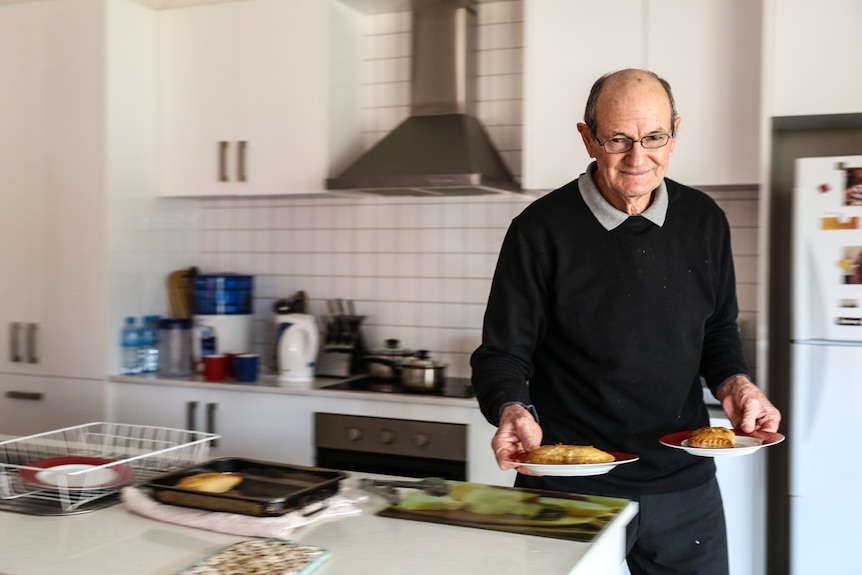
x=82, y=468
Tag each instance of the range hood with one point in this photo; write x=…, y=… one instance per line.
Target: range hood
x=441, y=149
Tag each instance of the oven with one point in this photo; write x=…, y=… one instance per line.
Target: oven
x=389, y=446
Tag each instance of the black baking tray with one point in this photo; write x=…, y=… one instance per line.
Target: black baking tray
x=268, y=489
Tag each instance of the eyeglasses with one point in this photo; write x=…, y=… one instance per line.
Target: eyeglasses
x=621, y=145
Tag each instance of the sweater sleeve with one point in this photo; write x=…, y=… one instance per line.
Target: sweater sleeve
x=722, y=356
x=514, y=323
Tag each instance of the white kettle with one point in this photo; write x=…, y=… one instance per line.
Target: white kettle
x=297, y=340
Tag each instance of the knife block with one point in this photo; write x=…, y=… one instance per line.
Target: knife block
x=341, y=360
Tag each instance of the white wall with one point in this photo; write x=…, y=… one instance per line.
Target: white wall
x=420, y=268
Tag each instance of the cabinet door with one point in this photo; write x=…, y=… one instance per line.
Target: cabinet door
x=282, y=100
x=814, y=51
x=561, y=61
x=197, y=83
x=52, y=226
x=242, y=97
x=251, y=424
x=709, y=51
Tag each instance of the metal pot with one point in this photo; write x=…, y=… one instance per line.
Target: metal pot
x=421, y=373
x=385, y=363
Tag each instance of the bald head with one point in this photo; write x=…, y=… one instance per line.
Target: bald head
x=609, y=88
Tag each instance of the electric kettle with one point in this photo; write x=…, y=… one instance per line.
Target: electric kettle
x=297, y=341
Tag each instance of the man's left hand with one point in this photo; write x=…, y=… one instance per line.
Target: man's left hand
x=746, y=406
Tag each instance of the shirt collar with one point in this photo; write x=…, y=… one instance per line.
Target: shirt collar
x=609, y=216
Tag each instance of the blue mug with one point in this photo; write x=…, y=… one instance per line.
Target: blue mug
x=245, y=367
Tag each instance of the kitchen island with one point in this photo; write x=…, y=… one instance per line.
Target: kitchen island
x=116, y=541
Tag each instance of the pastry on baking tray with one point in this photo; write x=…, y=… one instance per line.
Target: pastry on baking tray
x=569, y=454
x=210, y=482
x=712, y=437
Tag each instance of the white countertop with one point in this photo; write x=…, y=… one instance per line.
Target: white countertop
x=318, y=387
x=116, y=541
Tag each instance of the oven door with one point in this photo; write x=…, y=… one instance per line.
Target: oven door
x=388, y=446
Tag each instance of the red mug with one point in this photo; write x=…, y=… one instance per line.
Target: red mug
x=214, y=367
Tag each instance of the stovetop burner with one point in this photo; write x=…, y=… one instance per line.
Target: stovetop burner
x=452, y=387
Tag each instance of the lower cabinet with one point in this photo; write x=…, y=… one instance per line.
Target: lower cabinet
x=32, y=404
x=253, y=425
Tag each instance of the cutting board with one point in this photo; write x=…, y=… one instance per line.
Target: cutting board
x=514, y=510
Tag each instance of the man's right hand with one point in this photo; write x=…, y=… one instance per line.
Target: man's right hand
x=518, y=432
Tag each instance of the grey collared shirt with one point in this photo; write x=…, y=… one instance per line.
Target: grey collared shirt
x=609, y=216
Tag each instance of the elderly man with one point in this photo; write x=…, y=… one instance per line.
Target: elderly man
x=612, y=297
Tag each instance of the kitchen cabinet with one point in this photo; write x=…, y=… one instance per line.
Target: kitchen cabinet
x=707, y=50
x=813, y=50
x=243, y=97
x=50, y=224
x=82, y=237
x=270, y=427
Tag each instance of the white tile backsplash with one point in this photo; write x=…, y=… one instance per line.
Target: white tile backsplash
x=419, y=268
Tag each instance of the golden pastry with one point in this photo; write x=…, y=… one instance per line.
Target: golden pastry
x=569, y=454
x=210, y=482
x=712, y=437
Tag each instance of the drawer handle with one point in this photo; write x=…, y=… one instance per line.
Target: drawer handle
x=191, y=409
x=222, y=162
x=15, y=342
x=211, y=421
x=29, y=395
x=32, y=343
x=240, y=161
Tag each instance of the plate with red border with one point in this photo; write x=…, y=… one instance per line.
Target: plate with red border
x=76, y=473
x=573, y=469
x=746, y=443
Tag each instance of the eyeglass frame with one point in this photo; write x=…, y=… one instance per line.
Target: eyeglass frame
x=632, y=142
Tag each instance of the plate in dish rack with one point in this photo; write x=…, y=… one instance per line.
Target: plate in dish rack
x=573, y=469
x=76, y=473
x=746, y=443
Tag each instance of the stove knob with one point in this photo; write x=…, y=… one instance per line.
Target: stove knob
x=386, y=436
x=421, y=440
x=354, y=434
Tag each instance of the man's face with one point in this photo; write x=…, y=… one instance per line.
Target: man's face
x=630, y=109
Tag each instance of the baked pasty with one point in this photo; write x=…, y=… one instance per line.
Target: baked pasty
x=210, y=482
x=568, y=454
x=712, y=437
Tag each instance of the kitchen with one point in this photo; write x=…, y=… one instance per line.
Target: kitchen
x=418, y=267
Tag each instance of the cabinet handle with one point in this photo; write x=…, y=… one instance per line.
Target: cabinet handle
x=191, y=410
x=15, y=342
x=222, y=161
x=30, y=395
x=32, y=343
x=211, y=422
x=240, y=161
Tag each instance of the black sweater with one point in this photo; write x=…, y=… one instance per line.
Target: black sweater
x=612, y=330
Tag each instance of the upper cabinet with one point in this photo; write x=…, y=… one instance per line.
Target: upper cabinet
x=244, y=97
x=814, y=50
x=708, y=50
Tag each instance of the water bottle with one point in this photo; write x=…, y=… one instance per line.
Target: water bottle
x=148, y=350
x=129, y=341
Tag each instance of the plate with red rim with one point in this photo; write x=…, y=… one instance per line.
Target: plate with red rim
x=573, y=469
x=76, y=473
x=746, y=443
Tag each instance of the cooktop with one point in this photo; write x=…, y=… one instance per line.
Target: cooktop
x=452, y=387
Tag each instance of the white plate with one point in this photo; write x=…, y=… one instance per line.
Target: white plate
x=76, y=473
x=746, y=444
x=575, y=469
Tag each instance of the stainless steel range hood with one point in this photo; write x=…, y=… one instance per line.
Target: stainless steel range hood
x=441, y=149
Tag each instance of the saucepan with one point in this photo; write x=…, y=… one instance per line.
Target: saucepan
x=421, y=373
x=385, y=363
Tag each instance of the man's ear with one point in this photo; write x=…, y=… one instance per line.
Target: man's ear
x=587, y=137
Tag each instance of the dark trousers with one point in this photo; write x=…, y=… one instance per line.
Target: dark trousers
x=681, y=533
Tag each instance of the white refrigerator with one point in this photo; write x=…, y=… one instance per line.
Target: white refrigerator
x=825, y=415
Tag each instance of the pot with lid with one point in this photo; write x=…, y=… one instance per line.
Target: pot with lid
x=421, y=373
x=385, y=363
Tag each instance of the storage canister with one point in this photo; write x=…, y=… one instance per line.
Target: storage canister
x=175, y=347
